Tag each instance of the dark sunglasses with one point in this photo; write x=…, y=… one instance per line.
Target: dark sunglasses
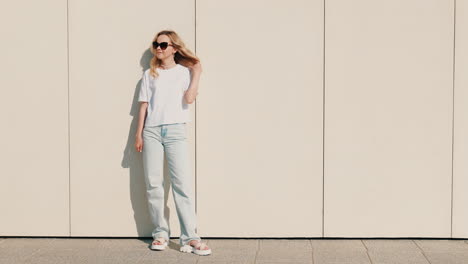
x=162, y=44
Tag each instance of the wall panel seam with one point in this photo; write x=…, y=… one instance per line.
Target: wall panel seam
x=453, y=112
x=323, y=124
x=68, y=109
x=195, y=117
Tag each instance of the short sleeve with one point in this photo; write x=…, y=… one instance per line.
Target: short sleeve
x=143, y=95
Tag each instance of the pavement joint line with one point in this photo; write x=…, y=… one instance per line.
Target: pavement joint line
x=367, y=251
x=422, y=251
x=364, y=244
x=311, y=250
x=256, y=252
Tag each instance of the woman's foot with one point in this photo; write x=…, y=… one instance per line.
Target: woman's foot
x=196, y=247
x=159, y=243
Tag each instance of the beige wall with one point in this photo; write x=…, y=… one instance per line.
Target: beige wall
x=388, y=118
x=259, y=118
x=34, y=101
x=460, y=148
x=314, y=118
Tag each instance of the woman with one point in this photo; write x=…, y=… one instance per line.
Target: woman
x=167, y=89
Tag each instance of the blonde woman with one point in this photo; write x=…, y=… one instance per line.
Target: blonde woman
x=167, y=89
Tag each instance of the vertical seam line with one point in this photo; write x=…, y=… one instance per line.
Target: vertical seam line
x=453, y=112
x=323, y=126
x=68, y=106
x=195, y=123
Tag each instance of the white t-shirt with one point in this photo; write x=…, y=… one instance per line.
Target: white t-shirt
x=165, y=96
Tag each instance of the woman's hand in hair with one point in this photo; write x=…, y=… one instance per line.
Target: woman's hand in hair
x=196, y=68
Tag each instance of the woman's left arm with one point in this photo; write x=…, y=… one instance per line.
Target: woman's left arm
x=192, y=91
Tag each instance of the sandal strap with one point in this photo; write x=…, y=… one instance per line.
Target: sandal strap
x=160, y=239
x=200, y=245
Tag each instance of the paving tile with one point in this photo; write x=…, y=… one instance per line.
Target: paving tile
x=98, y=255
x=212, y=259
x=283, y=262
x=232, y=252
x=66, y=260
x=443, y=245
x=171, y=255
x=341, y=257
x=244, y=244
x=11, y=260
x=132, y=243
x=165, y=261
x=16, y=254
x=287, y=244
x=75, y=243
x=284, y=255
x=14, y=242
x=227, y=254
x=79, y=260
x=92, y=253
x=447, y=257
x=90, y=243
x=337, y=245
x=207, y=261
x=397, y=245
x=397, y=257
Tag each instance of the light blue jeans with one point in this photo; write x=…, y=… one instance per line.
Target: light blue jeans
x=171, y=140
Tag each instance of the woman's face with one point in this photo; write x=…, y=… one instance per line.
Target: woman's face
x=168, y=52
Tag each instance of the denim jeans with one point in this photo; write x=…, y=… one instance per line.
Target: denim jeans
x=171, y=140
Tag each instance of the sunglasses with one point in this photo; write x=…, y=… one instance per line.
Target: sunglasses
x=163, y=45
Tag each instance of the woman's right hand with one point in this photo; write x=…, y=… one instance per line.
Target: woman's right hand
x=196, y=68
x=139, y=143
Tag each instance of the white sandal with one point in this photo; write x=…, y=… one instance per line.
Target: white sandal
x=161, y=244
x=197, y=249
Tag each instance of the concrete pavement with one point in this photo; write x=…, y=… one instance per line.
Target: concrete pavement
x=311, y=251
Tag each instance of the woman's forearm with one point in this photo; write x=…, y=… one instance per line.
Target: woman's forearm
x=192, y=91
x=141, y=118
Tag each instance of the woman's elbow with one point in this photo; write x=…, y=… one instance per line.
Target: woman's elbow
x=189, y=99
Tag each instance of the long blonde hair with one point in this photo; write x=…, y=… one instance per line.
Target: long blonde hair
x=183, y=55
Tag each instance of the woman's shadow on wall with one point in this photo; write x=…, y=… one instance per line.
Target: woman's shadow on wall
x=132, y=160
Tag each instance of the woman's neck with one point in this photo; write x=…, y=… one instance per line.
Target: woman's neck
x=168, y=64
